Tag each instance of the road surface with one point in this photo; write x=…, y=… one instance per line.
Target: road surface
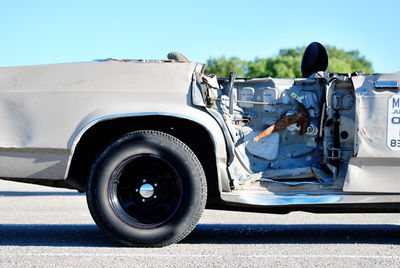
x=50, y=227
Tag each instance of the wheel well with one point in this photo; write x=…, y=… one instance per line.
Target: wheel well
x=103, y=133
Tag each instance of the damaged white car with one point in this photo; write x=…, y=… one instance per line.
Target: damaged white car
x=154, y=142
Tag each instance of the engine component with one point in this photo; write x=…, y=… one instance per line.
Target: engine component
x=274, y=125
x=312, y=130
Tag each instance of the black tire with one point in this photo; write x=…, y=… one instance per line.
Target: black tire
x=147, y=189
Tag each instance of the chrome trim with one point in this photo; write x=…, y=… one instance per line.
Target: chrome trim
x=386, y=84
x=239, y=197
x=146, y=190
x=115, y=116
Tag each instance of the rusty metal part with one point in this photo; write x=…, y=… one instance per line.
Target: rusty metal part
x=302, y=118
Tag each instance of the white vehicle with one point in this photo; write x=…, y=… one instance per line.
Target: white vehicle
x=152, y=143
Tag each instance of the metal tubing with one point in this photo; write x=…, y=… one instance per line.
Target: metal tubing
x=232, y=77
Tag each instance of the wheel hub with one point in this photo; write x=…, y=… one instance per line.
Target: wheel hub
x=146, y=190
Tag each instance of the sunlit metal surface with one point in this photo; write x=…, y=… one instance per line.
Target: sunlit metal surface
x=305, y=199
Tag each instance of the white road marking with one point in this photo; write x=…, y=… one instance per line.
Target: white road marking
x=195, y=255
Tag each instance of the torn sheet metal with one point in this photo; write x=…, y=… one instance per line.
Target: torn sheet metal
x=209, y=85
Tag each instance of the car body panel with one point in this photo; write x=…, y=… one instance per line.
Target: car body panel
x=376, y=166
x=47, y=108
x=371, y=116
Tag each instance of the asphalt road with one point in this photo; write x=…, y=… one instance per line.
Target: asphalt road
x=41, y=226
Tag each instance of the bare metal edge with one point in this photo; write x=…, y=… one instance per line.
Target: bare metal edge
x=306, y=199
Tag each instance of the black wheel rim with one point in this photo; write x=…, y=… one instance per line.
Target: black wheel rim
x=145, y=191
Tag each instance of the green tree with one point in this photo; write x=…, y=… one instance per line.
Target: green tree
x=341, y=61
x=222, y=66
x=288, y=64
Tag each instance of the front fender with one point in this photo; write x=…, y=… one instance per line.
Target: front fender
x=197, y=115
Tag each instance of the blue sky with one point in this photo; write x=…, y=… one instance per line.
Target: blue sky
x=41, y=32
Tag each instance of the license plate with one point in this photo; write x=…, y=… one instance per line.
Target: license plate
x=393, y=123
